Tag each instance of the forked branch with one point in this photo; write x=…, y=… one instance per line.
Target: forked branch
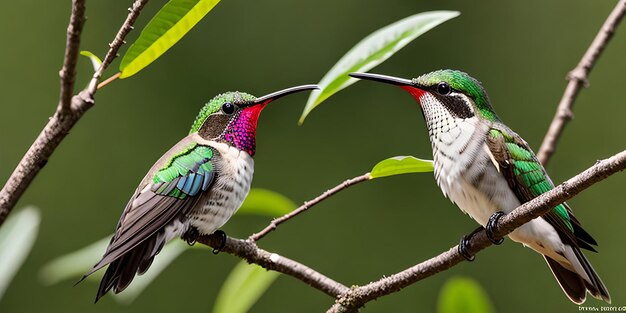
x=70, y=109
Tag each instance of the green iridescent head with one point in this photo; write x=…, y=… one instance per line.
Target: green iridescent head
x=459, y=82
x=215, y=106
x=462, y=95
x=232, y=117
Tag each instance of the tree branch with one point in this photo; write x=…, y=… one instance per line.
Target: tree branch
x=357, y=297
x=578, y=79
x=308, y=204
x=250, y=252
x=68, y=112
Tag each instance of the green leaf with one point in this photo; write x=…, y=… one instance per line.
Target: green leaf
x=73, y=265
x=373, y=50
x=401, y=165
x=243, y=287
x=463, y=295
x=95, y=60
x=169, y=25
x=17, y=237
x=266, y=202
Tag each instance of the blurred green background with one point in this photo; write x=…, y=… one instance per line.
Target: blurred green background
x=520, y=50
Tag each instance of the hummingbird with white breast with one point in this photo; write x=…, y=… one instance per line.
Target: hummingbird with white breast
x=488, y=170
x=192, y=190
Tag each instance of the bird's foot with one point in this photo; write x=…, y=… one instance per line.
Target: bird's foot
x=222, y=244
x=191, y=236
x=464, y=245
x=491, y=224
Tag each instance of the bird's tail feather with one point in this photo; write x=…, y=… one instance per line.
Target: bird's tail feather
x=121, y=272
x=576, y=284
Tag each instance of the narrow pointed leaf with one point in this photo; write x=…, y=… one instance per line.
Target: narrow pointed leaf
x=169, y=25
x=373, y=50
x=17, y=237
x=401, y=165
x=266, y=202
x=73, y=265
x=463, y=295
x=95, y=60
x=245, y=284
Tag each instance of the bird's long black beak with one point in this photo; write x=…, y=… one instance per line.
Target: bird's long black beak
x=412, y=87
x=278, y=94
x=384, y=79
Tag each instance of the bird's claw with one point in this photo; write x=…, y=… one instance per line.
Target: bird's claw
x=222, y=244
x=491, y=224
x=191, y=236
x=464, y=245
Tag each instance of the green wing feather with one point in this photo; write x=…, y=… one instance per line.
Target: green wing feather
x=187, y=174
x=528, y=179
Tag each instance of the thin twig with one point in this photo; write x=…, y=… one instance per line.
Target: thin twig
x=578, y=78
x=308, y=204
x=250, y=252
x=65, y=117
x=118, y=41
x=356, y=297
x=72, y=44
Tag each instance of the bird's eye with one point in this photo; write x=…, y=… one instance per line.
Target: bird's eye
x=443, y=88
x=228, y=108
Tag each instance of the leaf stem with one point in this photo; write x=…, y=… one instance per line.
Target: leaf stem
x=108, y=80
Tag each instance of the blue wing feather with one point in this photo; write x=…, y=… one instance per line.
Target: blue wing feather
x=187, y=174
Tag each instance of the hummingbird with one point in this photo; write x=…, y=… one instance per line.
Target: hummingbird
x=488, y=170
x=192, y=190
